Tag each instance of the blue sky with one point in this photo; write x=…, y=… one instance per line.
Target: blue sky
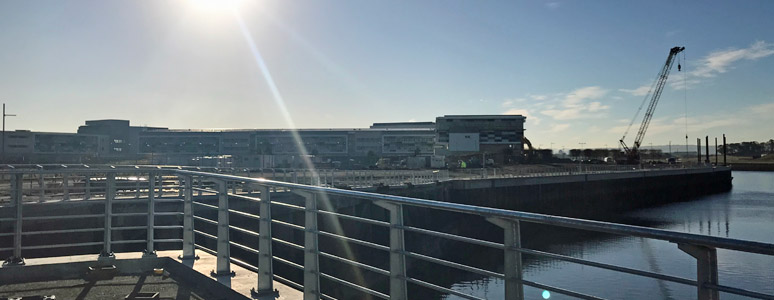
x=575, y=68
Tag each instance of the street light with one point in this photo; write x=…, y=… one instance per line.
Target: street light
x=2, y=153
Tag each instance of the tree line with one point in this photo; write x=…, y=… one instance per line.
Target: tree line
x=750, y=148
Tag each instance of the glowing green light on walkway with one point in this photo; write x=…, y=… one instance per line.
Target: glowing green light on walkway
x=546, y=294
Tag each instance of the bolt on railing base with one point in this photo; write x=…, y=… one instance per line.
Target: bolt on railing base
x=194, y=257
x=146, y=253
x=106, y=256
x=14, y=261
x=216, y=274
x=259, y=294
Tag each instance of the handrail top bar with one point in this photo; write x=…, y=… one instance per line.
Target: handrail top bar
x=621, y=229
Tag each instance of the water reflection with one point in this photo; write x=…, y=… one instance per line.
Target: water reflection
x=744, y=213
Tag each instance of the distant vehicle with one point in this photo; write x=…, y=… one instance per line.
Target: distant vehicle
x=672, y=160
x=383, y=164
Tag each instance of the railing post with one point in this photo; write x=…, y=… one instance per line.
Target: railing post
x=16, y=194
x=42, y=185
x=110, y=193
x=65, y=190
x=398, y=289
x=311, y=252
x=149, y=249
x=180, y=186
x=87, y=188
x=137, y=186
x=223, y=265
x=265, y=268
x=189, y=244
x=706, y=269
x=199, y=185
x=514, y=289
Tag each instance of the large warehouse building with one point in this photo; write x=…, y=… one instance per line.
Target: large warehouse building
x=118, y=141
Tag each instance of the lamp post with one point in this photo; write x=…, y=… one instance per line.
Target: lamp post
x=2, y=152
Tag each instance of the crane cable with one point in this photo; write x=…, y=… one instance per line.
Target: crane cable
x=685, y=99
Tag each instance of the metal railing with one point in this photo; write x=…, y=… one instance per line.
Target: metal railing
x=204, y=192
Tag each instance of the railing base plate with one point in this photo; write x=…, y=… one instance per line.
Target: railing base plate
x=259, y=294
x=14, y=261
x=215, y=274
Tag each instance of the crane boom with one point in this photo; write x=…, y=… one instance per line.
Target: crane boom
x=632, y=153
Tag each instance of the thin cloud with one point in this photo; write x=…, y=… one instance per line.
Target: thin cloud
x=576, y=104
x=510, y=102
x=533, y=120
x=559, y=127
x=553, y=5
x=722, y=61
x=640, y=91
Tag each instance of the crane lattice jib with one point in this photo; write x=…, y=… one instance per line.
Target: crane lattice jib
x=662, y=78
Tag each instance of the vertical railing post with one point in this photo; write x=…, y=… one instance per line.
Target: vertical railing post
x=311, y=251
x=149, y=248
x=189, y=244
x=16, y=194
x=706, y=269
x=160, y=178
x=42, y=185
x=87, y=188
x=199, y=185
x=137, y=186
x=398, y=289
x=65, y=183
x=265, y=268
x=223, y=265
x=110, y=193
x=180, y=187
x=514, y=289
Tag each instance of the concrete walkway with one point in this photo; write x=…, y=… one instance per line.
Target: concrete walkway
x=243, y=282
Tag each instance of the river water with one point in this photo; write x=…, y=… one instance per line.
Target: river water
x=746, y=212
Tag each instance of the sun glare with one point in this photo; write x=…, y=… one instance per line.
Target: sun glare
x=215, y=5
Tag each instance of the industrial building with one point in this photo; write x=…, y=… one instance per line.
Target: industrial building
x=118, y=141
x=499, y=136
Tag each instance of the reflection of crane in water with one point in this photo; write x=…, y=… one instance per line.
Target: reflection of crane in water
x=651, y=260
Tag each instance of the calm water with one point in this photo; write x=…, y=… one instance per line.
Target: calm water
x=747, y=212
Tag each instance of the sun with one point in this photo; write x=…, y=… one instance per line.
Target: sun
x=215, y=5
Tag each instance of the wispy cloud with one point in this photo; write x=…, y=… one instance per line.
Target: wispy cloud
x=640, y=91
x=553, y=5
x=722, y=61
x=532, y=119
x=511, y=102
x=559, y=127
x=576, y=104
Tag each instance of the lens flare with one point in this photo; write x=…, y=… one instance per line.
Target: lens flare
x=277, y=96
